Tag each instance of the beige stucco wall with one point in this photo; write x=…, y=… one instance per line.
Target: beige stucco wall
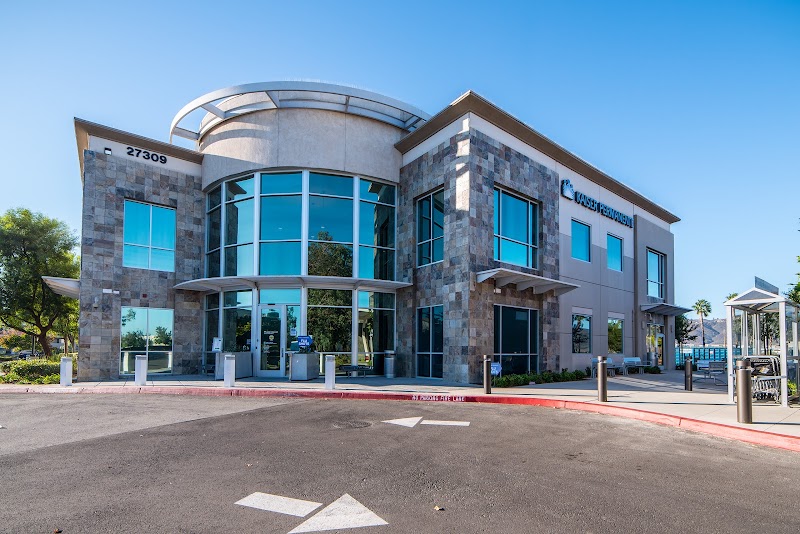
x=305, y=138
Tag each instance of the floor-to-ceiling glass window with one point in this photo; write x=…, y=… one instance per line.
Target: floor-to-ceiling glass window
x=239, y=229
x=329, y=320
x=280, y=232
x=376, y=230
x=516, y=339
x=430, y=341
x=146, y=331
x=213, y=232
x=375, y=327
x=212, y=330
x=330, y=225
x=237, y=321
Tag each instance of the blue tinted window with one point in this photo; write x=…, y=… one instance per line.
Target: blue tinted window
x=375, y=263
x=516, y=229
x=430, y=228
x=281, y=183
x=281, y=217
x=329, y=184
x=376, y=192
x=280, y=258
x=376, y=225
x=279, y=296
x=614, y=247
x=239, y=189
x=239, y=222
x=581, y=241
x=148, y=237
x=330, y=219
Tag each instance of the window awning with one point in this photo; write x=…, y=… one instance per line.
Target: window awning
x=662, y=308
x=69, y=287
x=523, y=281
x=229, y=283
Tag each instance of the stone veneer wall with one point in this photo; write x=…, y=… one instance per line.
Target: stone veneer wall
x=469, y=166
x=108, y=182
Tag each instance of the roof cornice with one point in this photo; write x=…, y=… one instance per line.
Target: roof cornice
x=471, y=102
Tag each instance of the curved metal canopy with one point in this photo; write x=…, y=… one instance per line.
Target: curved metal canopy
x=223, y=105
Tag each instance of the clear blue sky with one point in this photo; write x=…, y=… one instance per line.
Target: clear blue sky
x=695, y=104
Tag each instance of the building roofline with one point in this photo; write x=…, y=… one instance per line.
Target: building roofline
x=84, y=129
x=474, y=103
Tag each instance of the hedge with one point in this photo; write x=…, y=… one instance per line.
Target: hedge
x=30, y=372
x=508, y=381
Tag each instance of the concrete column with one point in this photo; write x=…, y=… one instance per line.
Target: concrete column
x=784, y=362
x=731, y=315
x=140, y=376
x=330, y=371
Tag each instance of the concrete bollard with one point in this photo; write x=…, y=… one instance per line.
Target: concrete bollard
x=140, y=376
x=388, y=364
x=744, y=392
x=602, y=379
x=487, y=375
x=66, y=371
x=229, y=371
x=330, y=371
x=687, y=374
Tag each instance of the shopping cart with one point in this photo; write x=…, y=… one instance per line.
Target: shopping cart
x=766, y=377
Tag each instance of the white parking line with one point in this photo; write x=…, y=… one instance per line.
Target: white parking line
x=444, y=423
x=276, y=503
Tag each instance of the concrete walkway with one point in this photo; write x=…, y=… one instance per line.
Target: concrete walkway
x=655, y=398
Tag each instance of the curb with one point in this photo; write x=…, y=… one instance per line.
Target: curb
x=754, y=437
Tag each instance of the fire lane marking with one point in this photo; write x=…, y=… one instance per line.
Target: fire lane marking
x=444, y=423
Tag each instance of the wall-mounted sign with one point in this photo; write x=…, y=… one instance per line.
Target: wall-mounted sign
x=568, y=191
x=216, y=345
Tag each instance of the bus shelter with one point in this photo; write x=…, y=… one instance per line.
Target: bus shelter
x=747, y=321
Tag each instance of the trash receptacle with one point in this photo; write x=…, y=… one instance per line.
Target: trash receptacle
x=388, y=364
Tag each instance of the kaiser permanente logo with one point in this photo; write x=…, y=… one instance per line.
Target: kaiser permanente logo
x=568, y=191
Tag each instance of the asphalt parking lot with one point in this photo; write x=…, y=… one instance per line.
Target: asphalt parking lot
x=180, y=464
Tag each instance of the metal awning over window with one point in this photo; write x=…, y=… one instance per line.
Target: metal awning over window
x=523, y=281
x=662, y=308
x=261, y=282
x=69, y=287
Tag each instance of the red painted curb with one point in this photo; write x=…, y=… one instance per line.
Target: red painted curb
x=755, y=437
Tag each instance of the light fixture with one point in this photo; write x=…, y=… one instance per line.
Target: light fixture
x=107, y=151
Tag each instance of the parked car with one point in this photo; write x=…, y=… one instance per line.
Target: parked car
x=28, y=354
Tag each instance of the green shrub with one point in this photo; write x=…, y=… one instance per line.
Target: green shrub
x=653, y=370
x=792, y=388
x=580, y=375
x=508, y=381
x=30, y=372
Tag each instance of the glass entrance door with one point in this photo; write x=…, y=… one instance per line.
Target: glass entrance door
x=277, y=331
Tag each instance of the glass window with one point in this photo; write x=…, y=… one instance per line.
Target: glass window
x=329, y=184
x=330, y=219
x=430, y=341
x=430, y=228
x=214, y=198
x=239, y=224
x=239, y=260
x=272, y=183
x=516, y=229
x=281, y=217
x=237, y=321
x=375, y=325
x=330, y=259
x=148, y=237
x=331, y=328
x=614, y=336
x=376, y=192
x=614, y=248
x=655, y=274
x=280, y=258
x=239, y=189
x=146, y=331
x=376, y=225
x=581, y=334
x=376, y=263
x=516, y=339
x=279, y=296
x=581, y=241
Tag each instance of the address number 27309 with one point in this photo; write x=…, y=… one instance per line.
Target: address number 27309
x=151, y=156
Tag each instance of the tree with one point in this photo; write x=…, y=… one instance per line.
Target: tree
x=683, y=330
x=31, y=246
x=794, y=292
x=702, y=308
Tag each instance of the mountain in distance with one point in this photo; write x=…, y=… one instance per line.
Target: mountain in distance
x=715, y=332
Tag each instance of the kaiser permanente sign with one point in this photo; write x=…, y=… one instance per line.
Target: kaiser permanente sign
x=586, y=201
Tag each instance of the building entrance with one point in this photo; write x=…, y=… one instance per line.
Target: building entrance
x=276, y=332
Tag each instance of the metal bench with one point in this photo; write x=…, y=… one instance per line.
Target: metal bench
x=712, y=369
x=355, y=370
x=632, y=363
x=611, y=367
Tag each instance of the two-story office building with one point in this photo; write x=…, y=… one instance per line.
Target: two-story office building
x=309, y=208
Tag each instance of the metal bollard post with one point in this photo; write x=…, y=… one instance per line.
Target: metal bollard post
x=744, y=392
x=330, y=371
x=229, y=371
x=140, y=376
x=602, y=379
x=487, y=375
x=687, y=374
x=66, y=371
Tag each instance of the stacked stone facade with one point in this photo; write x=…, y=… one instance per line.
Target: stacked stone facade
x=469, y=167
x=107, y=182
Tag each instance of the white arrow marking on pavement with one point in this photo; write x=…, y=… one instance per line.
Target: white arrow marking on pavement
x=344, y=512
x=444, y=423
x=276, y=503
x=410, y=422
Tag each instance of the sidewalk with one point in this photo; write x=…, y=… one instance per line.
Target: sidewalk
x=654, y=398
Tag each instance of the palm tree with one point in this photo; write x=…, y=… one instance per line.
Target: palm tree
x=702, y=308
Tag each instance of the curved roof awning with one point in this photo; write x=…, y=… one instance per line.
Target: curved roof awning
x=523, y=281
x=662, y=308
x=69, y=287
x=230, y=283
x=232, y=102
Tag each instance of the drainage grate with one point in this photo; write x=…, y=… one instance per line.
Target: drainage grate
x=351, y=424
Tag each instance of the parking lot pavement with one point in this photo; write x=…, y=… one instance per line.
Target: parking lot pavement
x=325, y=465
